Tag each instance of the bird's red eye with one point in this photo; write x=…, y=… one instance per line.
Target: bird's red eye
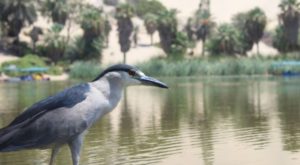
x=131, y=73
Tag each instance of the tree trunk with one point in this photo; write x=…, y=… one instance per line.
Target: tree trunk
x=34, y=47
x=257, y=48
x=69, y=31
x=124, y=57
x=151, y=37
x=203, y=48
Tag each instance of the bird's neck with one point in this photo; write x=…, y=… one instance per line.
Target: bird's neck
x=111, y=88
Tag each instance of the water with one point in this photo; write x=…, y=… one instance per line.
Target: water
x=209, y=121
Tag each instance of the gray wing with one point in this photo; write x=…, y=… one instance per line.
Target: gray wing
x=65, y=99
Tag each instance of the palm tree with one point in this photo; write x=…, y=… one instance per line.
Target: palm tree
x=124, y=13
x=56, y=9
x=289, y=20
x=204, y=25
x=167, y=28
x=255, y=24
x=150, y=22
x=279, y=40
x=107, y=29
x=16, y=13
x=55, y=44
x=144, y=7
x=239, y=22
x=93, y=24
x=34, y=35
x=225, y=41
x=171, y=41
x=189, y=29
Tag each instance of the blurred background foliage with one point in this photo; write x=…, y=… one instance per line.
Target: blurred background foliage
x=61, y=48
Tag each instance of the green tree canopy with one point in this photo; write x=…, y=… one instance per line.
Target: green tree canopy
x=57, y=9
x=171, y=41
x=289, y=22
x=55, y=44
x=90, y=45
x=255, y=25
x=239, y=23
x=150, y=22
x=225, y=41
x=250, y=27
x=144, y=7
x=16, y=13
x=203, y=25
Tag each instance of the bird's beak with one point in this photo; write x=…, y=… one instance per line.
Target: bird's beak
x=145, y=80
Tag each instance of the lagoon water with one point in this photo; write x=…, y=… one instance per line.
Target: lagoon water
x=206, y=121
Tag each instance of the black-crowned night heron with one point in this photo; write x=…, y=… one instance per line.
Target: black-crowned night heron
x=64, y=118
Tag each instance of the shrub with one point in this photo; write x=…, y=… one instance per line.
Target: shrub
x=26, y=61
x=179, y=45
x=55, y=70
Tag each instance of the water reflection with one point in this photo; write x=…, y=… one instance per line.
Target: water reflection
x=202, y=121
x=288, y=105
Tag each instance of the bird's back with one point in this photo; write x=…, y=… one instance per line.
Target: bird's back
x=42, y=123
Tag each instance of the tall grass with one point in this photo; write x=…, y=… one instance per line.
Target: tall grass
x=84, y=70
x=207, y=66
x=210, y=66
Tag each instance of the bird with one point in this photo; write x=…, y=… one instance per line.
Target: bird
x=64, y=118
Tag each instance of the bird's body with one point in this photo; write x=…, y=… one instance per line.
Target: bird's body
x=64, y=118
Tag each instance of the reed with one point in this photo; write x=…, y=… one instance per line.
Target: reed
x=207, y=66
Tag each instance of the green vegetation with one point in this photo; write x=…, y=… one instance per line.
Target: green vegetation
x=107, y=29
x=200, y=26
x=286, y=34
x=279, y=40
x=215, y=66
x=209, y=66
x=56, y=9
x=91, y=43
x=255, y=24
x=239, y=37
x=225, y=41
x=55, y=44
x=111, y=2
x=85, y=70
x=150, y=23
x=124, y=13
x=144, y=7
x=239, y=23
x=28, y=61
x=16, y=14
x=173, y=42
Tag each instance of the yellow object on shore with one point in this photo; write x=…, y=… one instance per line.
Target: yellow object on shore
x=37, y=77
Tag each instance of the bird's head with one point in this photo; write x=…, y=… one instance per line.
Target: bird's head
x=130, y=75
